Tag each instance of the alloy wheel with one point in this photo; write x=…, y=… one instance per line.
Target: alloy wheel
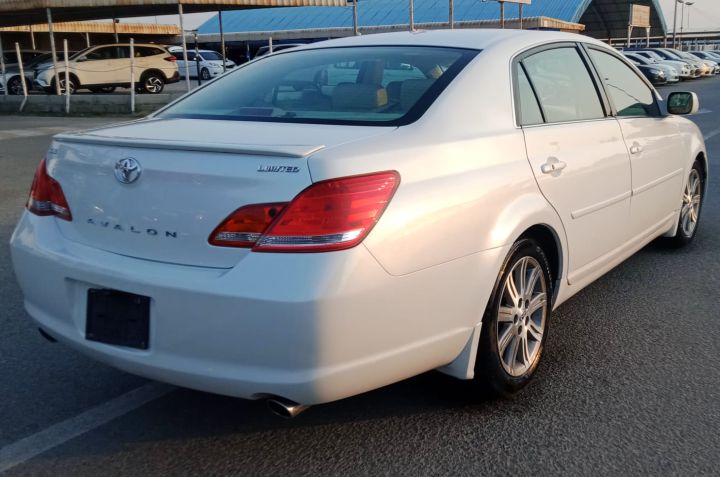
x=522, y=316
x=692, y=197
x=153, y=84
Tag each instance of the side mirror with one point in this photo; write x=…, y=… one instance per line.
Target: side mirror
x=683, y=103
x=81, y=59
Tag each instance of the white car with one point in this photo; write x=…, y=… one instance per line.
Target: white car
x=279, y=234
x=105, y=67
x=210, y=63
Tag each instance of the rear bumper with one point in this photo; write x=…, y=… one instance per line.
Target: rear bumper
x=311, y=328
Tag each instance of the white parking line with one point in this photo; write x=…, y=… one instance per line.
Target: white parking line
x=712, y=134
x=31, y=446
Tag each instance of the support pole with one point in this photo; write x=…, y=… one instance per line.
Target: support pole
x=647, y=35
x=32, y=37
x=184, y=45
x=132, y=75
x=53, y=51
x=630, y=29
x=87, y=39
x=675, y=26
x=222, y=41
x=67, y=77
x=270, y=45
x=451, y=14
x=197, y=58
x=502, y=14
x=411, y=11
x=2, y=68
x=115, y=30
x=356, y=28
x=520, y=14
x=22, y=76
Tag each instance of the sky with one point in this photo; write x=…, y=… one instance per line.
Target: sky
x=702, y=15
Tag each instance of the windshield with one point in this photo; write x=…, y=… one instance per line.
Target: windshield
x=388, y=85
x=211, y=55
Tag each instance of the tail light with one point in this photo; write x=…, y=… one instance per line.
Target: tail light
x=336, y=214
x=46, y=196
x=170, y=58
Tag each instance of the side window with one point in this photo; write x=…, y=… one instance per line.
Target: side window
x=98, y=54
x=528, y=107
x=630, y=95
x=563, y=85
x=121, y=52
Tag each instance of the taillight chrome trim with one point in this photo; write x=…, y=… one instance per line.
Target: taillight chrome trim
x=307, y=242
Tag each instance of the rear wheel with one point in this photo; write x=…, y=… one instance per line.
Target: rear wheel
x=690, y=209
x=152, y=83
x=516, y=321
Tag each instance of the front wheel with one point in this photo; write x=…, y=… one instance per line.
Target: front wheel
x=71, y=85
x=692, y=201
x=204, y=74
x=515, y=325
x=15, y=85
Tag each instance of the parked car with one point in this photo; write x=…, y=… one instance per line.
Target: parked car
x=657, y=73
x=14, y=79
x=279, y=235
x=713, y=55
x=102, y=68
x=211, y=63
x=712, y=65
x=264, y=50
x=688, y=70
x=671, y=53
x=11, y=61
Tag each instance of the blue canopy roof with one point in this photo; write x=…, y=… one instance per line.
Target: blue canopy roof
x=395, y=12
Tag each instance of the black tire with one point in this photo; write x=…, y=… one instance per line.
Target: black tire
x=152, y=83
x=684, y=236
x=204, y=74
x=103, y=90
x=14, y=85
x=491, y=365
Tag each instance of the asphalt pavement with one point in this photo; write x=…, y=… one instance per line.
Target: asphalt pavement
x=629, y=384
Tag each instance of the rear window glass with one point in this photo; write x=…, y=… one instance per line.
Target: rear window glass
x=355, y=85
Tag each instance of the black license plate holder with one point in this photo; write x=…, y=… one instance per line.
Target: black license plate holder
x=118, y=318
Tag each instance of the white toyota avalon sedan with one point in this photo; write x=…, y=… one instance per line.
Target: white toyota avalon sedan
x=341, y=216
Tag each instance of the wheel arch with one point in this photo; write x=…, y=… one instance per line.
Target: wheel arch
x=156, y=71
x=73, y=77
x=549, y=241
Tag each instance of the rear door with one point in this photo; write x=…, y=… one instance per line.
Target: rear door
x=576, y=151
x=97, y=66
x=656, y=153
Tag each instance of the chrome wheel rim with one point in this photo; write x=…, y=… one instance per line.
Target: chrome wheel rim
x=153, y=84
x=521, y=316
x=690, y=211
x=62, y=86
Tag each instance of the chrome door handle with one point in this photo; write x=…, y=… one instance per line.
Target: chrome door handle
x=553, y=165
x=636, y=149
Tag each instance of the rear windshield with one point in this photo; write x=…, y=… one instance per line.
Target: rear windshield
x=388, y=85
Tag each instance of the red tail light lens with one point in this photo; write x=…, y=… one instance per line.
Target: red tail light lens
x=170, y=58
x=46, y=196
x=245, y=226
x=330, y=215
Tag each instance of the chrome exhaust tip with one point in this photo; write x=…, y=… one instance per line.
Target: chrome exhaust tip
x=285, y=408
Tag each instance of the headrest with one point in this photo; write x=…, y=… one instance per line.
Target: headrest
x=359, y=97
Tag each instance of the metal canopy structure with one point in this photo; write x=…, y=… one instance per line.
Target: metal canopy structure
x=29, y=12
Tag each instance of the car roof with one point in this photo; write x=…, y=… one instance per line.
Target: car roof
x=477, y=39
